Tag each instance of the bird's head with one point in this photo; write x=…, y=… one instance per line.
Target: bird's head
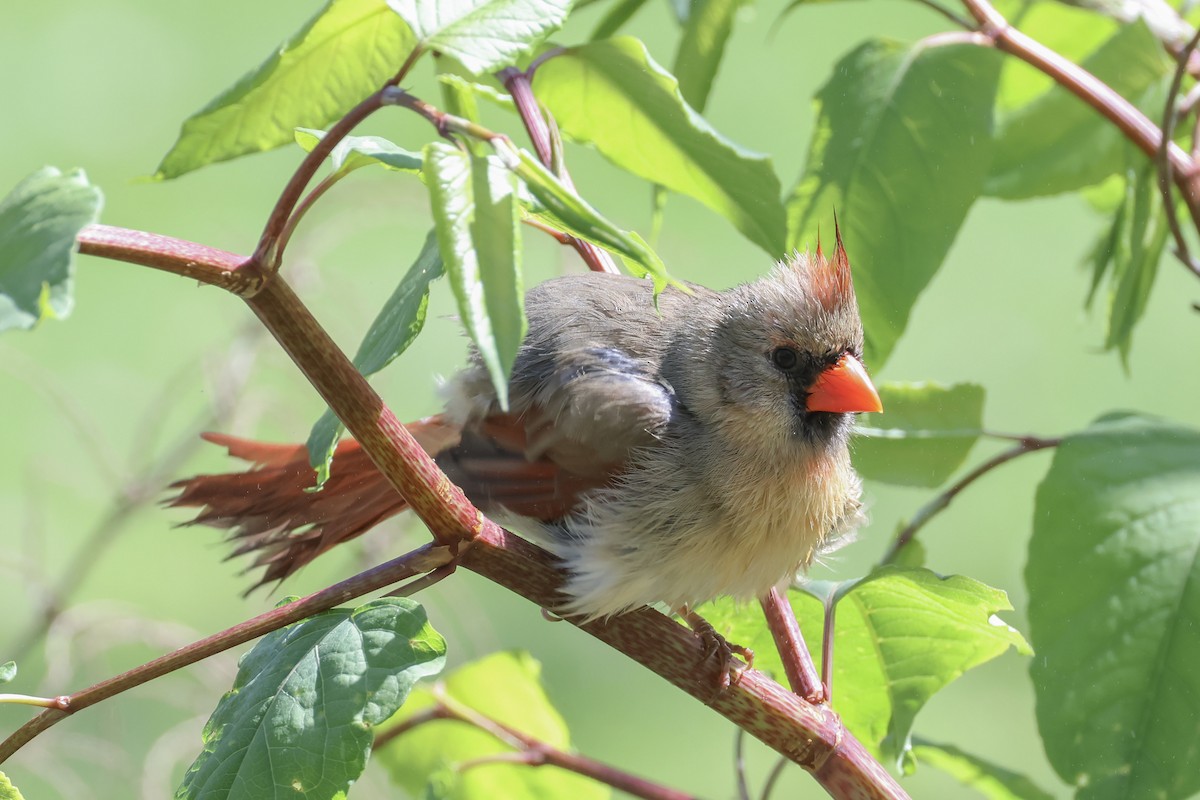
x=783, y=364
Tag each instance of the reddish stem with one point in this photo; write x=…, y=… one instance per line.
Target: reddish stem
x=521, y=88
x=797, y=662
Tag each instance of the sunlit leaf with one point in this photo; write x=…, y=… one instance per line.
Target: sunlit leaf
x=356, y=152
x=7, y=790
x=482, y=34
x=1114, y=609
x=613, y=95
x=924, y=434
x=896, y=121
x=475, y=215
x=900, y=635
x=39, y=220
x=299, y=719
x=338, y=58
x=505, y=687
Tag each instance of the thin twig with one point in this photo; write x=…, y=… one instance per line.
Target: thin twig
x=938, y=8
x=939, y=503
x=797, y=662
x=520, y=86
x=739, y=764
x=773, y=777
x=1165, y=176
x=423, y=559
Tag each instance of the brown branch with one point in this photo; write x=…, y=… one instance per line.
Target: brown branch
x=1135, y=125
x=205, y=264
x=811, y=735
x=520, y=86
x=1165, y=168
x=797, y=663
x=423, y=559
x=531, y=751
x=1030, y=444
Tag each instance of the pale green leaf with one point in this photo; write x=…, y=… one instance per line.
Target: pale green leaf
x=902, y=143
x=505, y=687
x=475, y=215
x=923, y=436
x=482, y=35
x=356, y=152
x=39, y=220
x=341, y=55
x=1114, y=609
x=7, y=790
x=613, y=95
x=298, y=721
x=900, y=635
x=8, y=671
x=703, y=44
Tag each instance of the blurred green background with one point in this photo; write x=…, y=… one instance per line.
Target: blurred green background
x=90, y=404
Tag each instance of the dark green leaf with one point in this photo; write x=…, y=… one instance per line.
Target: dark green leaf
x=613, y=95
x=339, y=57
x=505, y=687
x=612, y=22
x=990, y=780
x=1057, y=143
x=298, y=721
x=1114, y=609
x=702, y=47
x=7, y=790
x=8, y=671
x=39, y=220
x=895, y=121
x=924, y=434
x=900, y=635
x=475, y=215
x=355, y=152
x=396, y=327
x=482, y=35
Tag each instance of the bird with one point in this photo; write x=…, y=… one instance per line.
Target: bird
x=668, y=448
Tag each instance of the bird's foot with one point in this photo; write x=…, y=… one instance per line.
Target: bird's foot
x=715, y=644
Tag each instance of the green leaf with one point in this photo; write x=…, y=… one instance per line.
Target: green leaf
x=1114, y=609
x=895, y=121
x=1135, y=262
x=8, y=672
x=356, y=152
x=7, y=790
x=611, y=94
x=482, y=35
x=990, y=780
x=900, y=635
x=565, y=210
x=924, y=434
x=475, y=215
x=298, y=721
x=339, y=57
x=396, y=327
x=459, y=84
x=1057, y=143
x=702, y=46
x=612, y=22
x=505, y=687
x=39, y=220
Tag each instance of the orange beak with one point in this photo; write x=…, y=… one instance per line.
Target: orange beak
x=844, y=387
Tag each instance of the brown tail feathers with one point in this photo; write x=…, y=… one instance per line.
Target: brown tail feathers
x=267, y=509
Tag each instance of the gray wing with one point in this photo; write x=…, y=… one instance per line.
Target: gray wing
x=586, y=383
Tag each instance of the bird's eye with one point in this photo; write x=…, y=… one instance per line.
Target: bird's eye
x=785, y=358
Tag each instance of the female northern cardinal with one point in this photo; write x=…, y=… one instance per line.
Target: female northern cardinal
x=668, y=456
